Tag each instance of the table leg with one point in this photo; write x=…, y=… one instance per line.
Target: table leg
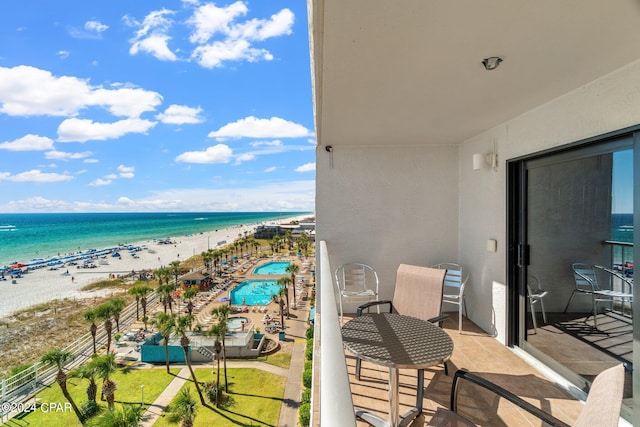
x=394, y=397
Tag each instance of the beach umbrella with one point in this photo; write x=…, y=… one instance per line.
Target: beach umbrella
x=17, y=265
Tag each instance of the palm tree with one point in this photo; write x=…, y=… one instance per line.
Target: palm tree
x=189, y=294
x=183, y=324
x=90, y=316
x=135, y=291
x=185, y=407
x=162, y=274
x=117, y=305
x=293, y=269
x=175, y=269
x=143, y=291
x=104, y=313
x=218, y=331
x=284, y=282
x=222, y=314
x=166, y=324
x=277, y=298
x=105, y=367
x=88, y=372
x=127, y=416
x=207, y=257
x=164, y=292
x=60, y=358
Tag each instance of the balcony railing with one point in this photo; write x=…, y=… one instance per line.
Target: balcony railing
x=336, y=404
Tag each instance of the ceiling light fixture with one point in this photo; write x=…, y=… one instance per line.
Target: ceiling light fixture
x=491, y=63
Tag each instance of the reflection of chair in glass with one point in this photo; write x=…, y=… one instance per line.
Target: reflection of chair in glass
x=586, y=282
x=454, y=288
x=535, y=295
x=602, y=407
x=418, y=293
x=356, y=282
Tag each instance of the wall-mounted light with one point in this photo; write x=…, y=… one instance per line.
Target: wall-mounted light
x=491, y=63
x=481, y=161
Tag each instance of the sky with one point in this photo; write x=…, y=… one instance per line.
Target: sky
x=167, y=105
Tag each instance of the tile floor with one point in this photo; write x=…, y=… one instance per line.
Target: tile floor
x=477, y=352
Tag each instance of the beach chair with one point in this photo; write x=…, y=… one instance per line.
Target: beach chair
x=454, y=288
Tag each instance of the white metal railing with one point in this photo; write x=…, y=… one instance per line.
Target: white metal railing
x=336, y=404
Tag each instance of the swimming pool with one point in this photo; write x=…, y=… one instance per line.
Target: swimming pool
x=254, y=292
x=272, y=268
x=235, y=322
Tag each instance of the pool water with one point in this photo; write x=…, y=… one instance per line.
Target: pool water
x=254, y=292
x=236, y=322
x=272, y=268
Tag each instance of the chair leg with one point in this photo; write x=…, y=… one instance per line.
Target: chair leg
x=460, y=318
x=420, y=391
x=570, y=299
x=340, y=310
x=533, y=316
x=544, y=315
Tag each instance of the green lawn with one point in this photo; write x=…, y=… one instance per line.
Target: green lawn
x=52, y=412
x=279, y=359
x=255, y=399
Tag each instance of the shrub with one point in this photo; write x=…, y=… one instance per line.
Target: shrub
x=308, y=353
x=307, y=376
x=211, y=388
x=89, y=409
x=306, y=396
x=304, y=414
x=308, y=364
x=309, y=333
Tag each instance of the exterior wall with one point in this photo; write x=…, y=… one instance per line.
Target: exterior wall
x=388, y=205
x=607, y=104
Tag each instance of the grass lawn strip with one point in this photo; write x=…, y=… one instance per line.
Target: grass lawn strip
x=50, y=399
x=255, y=399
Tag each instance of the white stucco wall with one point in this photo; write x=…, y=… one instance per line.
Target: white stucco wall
x=607, y=104
x=388, y=205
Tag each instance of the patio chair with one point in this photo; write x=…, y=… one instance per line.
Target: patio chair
x=586, y=282
x=601, y=409
x=418, y=293
x=356, y=282
x=454, y=288
x=536, y=295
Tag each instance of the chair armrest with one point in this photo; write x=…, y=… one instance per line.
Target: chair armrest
x=438, y=319
x=371, y=304
x=475, y=379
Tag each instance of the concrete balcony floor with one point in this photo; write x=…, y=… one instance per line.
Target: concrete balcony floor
x=477, y=352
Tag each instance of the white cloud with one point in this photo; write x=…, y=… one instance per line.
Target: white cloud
x=180, y=114
x=220, y=153
x=63, y=54
x=275, y=143
x=308, y=167
x=82, y=130
x=252, y=127
x=245, y=158
x=28, y=142
x=35, y=175
x=126, y=171
x=29, y=91
x=100, y=182
x=271, y=169
x=213, y=55
x=61, y=155
x=151, y=36
x=91, y=161
x=95, y=27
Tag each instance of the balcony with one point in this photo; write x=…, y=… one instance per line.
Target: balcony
x=336, y=386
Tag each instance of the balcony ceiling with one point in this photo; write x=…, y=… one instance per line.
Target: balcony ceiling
x=410, y=72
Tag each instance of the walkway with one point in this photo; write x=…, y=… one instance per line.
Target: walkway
x=159, y=405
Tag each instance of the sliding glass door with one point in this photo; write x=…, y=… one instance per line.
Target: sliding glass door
x=571, y=211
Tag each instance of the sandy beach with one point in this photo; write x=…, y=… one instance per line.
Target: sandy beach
x=44, y=285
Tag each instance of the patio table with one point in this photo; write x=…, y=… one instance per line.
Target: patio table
x=397, y=342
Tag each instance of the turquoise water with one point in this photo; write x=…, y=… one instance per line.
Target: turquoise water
x=254, y=292
x=272, y=268
x=24, y=237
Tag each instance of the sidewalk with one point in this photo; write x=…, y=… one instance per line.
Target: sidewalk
x=156, y=408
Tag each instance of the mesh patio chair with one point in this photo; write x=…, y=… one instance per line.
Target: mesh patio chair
x=601, y=409
x=586, y=282
x=418, y=293
x=454, y=288
x=536, y=295
x=356, y=282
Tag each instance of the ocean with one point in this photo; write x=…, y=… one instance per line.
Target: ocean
x=24, y=237
x=622, y=231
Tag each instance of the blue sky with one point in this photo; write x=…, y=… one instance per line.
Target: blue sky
x=155, y=106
